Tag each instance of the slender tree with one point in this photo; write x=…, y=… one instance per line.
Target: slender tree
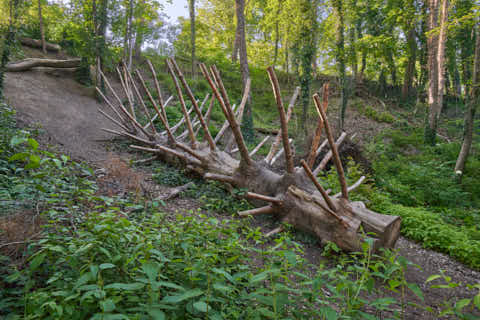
x=191, y=4
x=247, y=124
x=42, y=31
x=436, y=42
x=474, y=101
x=340, y=56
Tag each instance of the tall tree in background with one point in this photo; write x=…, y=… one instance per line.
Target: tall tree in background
x=247, y=124
x=474, y=101
x=42, y=31
x=340, y=57
x=436, y=41
x=191, y=4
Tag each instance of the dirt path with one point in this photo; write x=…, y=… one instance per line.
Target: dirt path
x=67, y=111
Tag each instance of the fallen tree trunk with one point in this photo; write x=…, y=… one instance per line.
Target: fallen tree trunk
x=30, y=63
x=295, y=197
x=34, y=43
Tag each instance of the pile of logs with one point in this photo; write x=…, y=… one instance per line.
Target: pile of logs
x=294, y=197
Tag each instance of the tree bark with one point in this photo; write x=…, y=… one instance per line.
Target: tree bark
x=341, y=60
x=42, y=31
x=191, y=4
x=33, y=43
x=410, y=69
x=28, y=64
x=242, y=46
x=436, y=66
x=471, y=110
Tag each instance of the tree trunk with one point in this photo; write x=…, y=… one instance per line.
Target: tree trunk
x=471, y=110
x=436, y=66
x=410, y=69
x=294, y=196
x=242, y=46
x=27, y=64
x=277, y=40
x=191, y=4
x=42, y=31
x=341, y=60
x=235, y=46
x=33, y=43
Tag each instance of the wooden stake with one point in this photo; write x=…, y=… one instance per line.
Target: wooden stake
x=257, y=211
x=259, y=146
x=112, y=119
x=329, y=154
x=219, y=177
x=274, y=232
x=126, y=91
x=208, y=136
x=318, y=132
x=257, y=196
x=318, y=186
x=283, y=119
x=336, y=156
x=352, y=187
x=182, y=104
x=278, y=138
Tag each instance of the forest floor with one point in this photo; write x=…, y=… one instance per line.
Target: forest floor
x=66, y=112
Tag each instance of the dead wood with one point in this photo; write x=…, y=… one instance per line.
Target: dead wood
x=34, y=43
x=28, y=64
x=295, y=197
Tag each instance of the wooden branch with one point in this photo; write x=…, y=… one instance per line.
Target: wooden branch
x=34, y=43
x=336, y=156
x=179, y=124
x=318, y=186
x=173, y=152
x=262, y=197
x=193, y=140
x=131, y=136
x=140, y=99
x=259, y=146
x=329, y=154
x=352, y=187
x=208, y=136
x=141, y=161
x=219, y=177
x=209, y=111
x=228, y=113
x=319, y=150
x=123, y=81
x=258, y=211
x=274, y=232
x=224, y=128
x=279, y=154
x=318, y=132
x=157, y=86
x=106, y=115
x=122, y=107
x=27, y=64
x=240, y=111
x=155, y=106
x=283, y=119
x=156, y=115
x=190, y=151
x=278, y=138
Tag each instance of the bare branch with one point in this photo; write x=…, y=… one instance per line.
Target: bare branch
x=257, y=211
x=318, y=132
x=352, y=187
x=329, y=154
x=283, y=119
x=318, y=186
x=113, y=120
x=274, y=232
x=262, y=197
x=208, y=136
x=278, y=138
x=279, y=153
x=131, y=136
x=336, y=156
x=182, y=104
x=259, y=146
x=219, y=177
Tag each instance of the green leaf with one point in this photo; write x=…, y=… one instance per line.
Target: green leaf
x=416, y=289
x=151, y=270
x=34, y=162
x=329, y=313
x=104, y=266
x=156, y=314
x=476, y=301
x=16, y=140
x=462, y=304
x=182, y=297
x=37, y=261
x=201, y=306
x=33, y=143
x=433, y=277
x=125, y=286
x=107, y=305
x=19, y=156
